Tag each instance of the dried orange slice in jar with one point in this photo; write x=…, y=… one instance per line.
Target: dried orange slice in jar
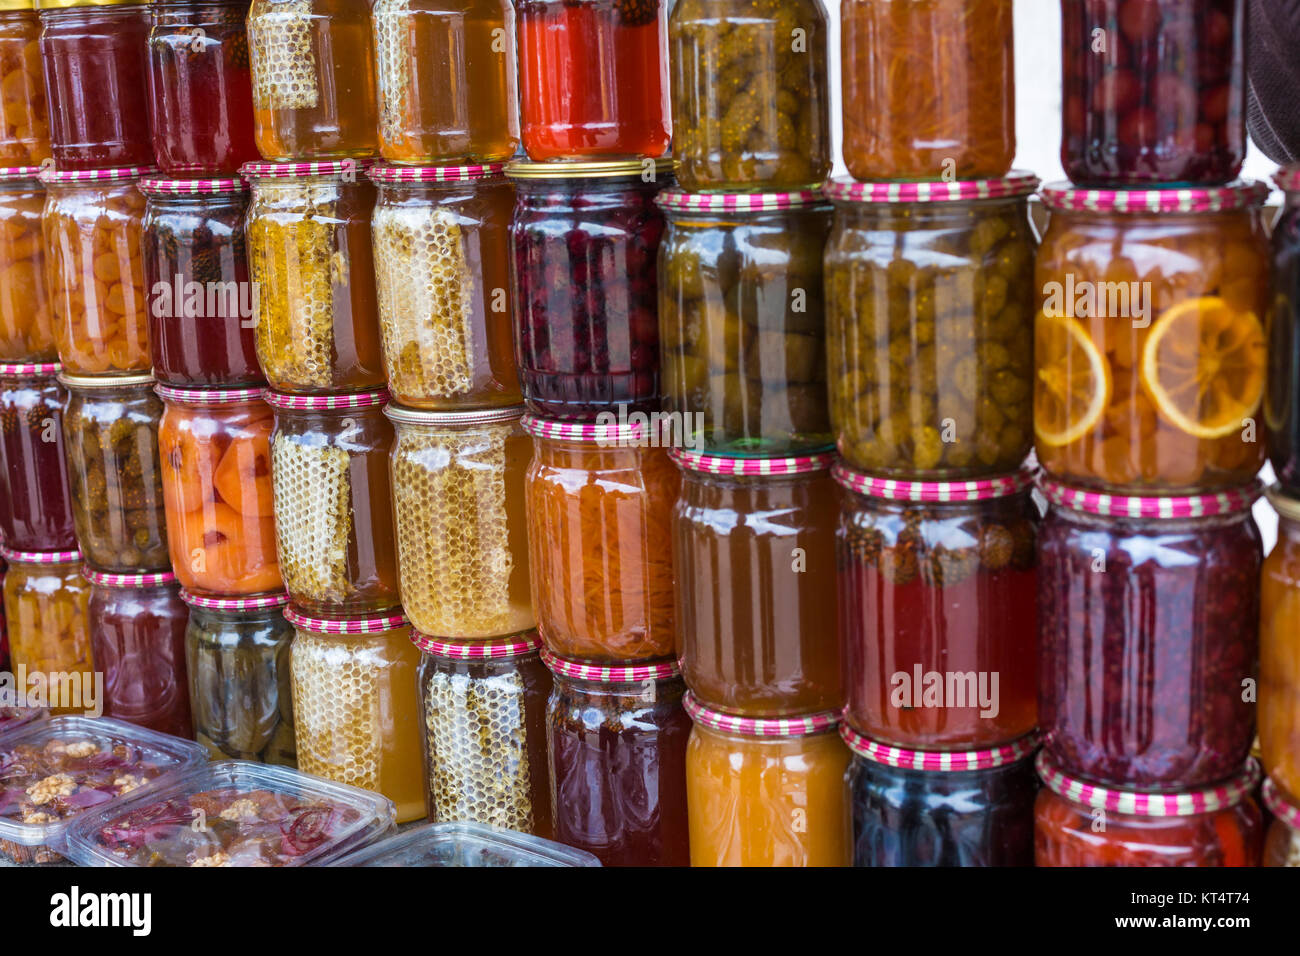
x=1204, y=366
x=1072, y=384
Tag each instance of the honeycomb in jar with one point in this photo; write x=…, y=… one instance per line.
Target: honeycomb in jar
x=334, y=703
x=392, y=25
x=313, y=507
x=478, y=756
x=284, y=63
x=426, y=300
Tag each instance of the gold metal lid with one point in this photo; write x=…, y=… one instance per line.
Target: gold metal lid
x=1287, y=507
x=67, y=4
x=453, y=419
x=107, y=381
x=7, y=5
x=616, y=169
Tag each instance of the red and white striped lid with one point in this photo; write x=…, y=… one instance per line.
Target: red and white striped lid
x=209, y=396
x=323, y=403
x=499, y=649
x=804, y=725
x=629, y=433
x=1018, y=182
x=1227, y=502
x=256, y=602
x=1279, y=805
x=166, y=186
x=41, y=557
x=981, y=489
x=937, y=760
x=751, y=467
x=1174, y=199
x=370, y=624
x=64, y=177
x=329, y=167
x=154, y=580
x=1138, y=804
x=610, y=673
x=1288, y=178
x=16, y=173
x=32, y=370
x=389, y=175
x=679, y=200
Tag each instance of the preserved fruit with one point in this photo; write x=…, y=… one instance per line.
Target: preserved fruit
x=35, y=498
x=26, y=309
x=45, y=600
x=24, y=116
x=1279, y=650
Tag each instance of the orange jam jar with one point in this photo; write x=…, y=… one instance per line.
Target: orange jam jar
x=24, y=118
x=766, y=792
x=26, y=316
x=1150, y=347
x=1279, y=649
x=45, y=601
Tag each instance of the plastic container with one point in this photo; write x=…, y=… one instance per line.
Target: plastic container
x=45, y=600
x=24, y=116
x=35, y=498
x=1282, y=842
x=14, y=718
x=58, y=769
x=466, y=844
x=1282, y=395
x=26, y=309
x=1278, y=712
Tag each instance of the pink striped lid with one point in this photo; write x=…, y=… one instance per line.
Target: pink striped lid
x=166, y=186
x=1150, y=804
x=498, y=649
x=742, y=467
x=35, y=370
x=15, y=173
x=1279, y=806
x=957, y=760
x=610, y=673
x=679, y=200
x=63, y=177
x=1287, y=178
x=1238, y=195
x=374, y=624
x=156, y=579
x=41, y=557
x=256, y=602
x=331, y=167
x=1175, y=506
x=209, y=396
x=318, y=403
x=803, y=725
x=600, y=433
x=388, y=175
x=1018, y=182
x=934, y=491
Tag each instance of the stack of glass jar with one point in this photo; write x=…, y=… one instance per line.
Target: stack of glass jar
x=1150, y=361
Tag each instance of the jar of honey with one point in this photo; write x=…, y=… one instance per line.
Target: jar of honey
x=35, y=497
x=45, y=597
x=24, y=115
x=26, y=310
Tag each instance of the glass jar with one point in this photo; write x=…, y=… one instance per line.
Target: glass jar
x=24, y=117
x=95, y=55
x=1148, y=636
x=202, y=317
x=137, y=640
x=938, y=627
x=1080, y=824
x=1279, y=649
x=1282, y=395
x=1282, y=842
x=483, y=707
x=766, y=792
x=929, y=88
x=26, y=312
x=313, y=79
x=45, y=599
x=599, y=502
x=1154, y=91
x=754, y=556
x=929, y=321
x=462, y=535
x=1150, y=350
x=333, y=506
x=447, y=80
x=751, y=94
x=312, y=262
x=216, y=453
x=593, y=78
x=585, y=245
x=356, y=712
x=200, y=87
x=110, y=432
x=241, y=695
x=929, y=808
x=617, y=739
x=743, y=321
x=35, y=499
x=442, y=264
x=92, y=227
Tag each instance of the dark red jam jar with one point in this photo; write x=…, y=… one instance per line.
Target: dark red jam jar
x=35, y=499
x=1148, y=633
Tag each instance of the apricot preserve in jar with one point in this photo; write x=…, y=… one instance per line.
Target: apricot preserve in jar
x=24, y=115
x=1279, y=649
x=1282, y=842
x=35, y=498
x=26, y=310
x=45, y=597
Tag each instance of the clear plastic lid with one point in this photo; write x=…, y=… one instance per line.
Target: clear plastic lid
x=55, y=770
x=233, y=813
x=467, y=844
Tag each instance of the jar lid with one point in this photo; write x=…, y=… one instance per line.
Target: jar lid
x=164, y=186
x=938, y=760
x=389, y=175
x=751, y=467
x=20, y=173
x=622, y=168
x=498, y=649
x=40, y=557
x=804, y=725
x=614, y=434
x=156, y=579
x=1288, y=178
x=1287, y=507
x=1238, y=195
x=1018, y=182
x=610, y=673
x=257, y=602
x=1279, y=806
x=6, y=5
x=209, y=396
x=63, y=177
x=65, y=4
x=484, y=416
x=33, y=370
x=982, y=489
x=132, y=380
x=679, y=200
x=1226, y=502
x=1138, y=804
x=327, y=167
x=372, y=624
x=305, y=403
